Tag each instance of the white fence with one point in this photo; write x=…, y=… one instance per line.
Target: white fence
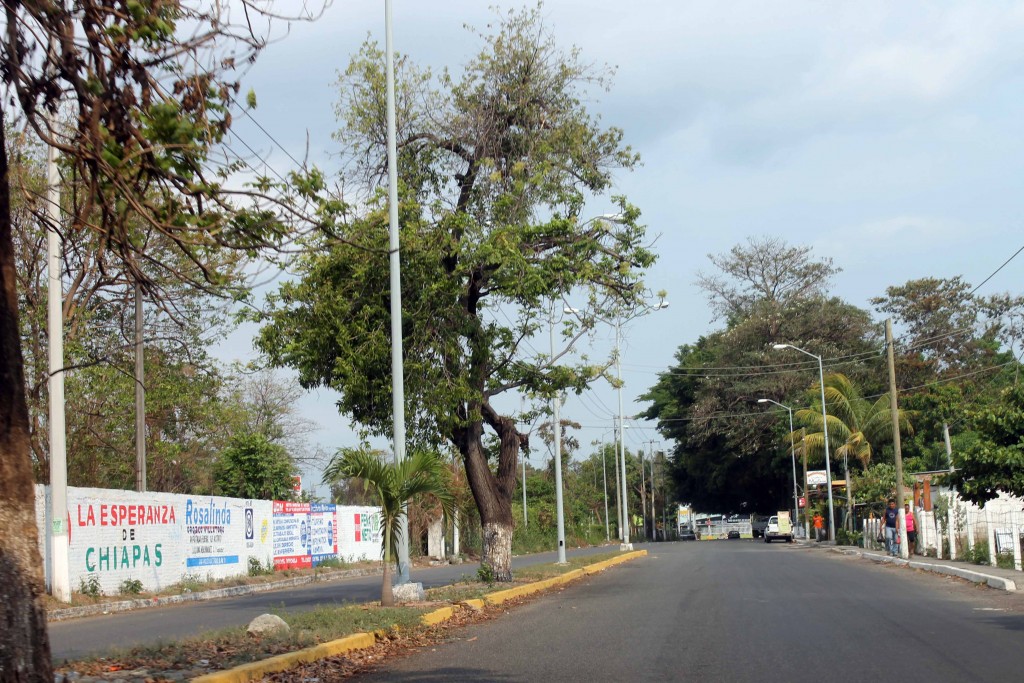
x=962, y=528
x=162, y=538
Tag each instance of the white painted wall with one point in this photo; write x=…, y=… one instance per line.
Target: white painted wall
x=161, y=538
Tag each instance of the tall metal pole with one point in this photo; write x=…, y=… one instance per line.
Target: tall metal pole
x=824, y=427
x=397, y=370
x=626, y=545
x=604, y=475
x=792, y=454
x=526, y=519
x=895, y=412
x=140, y=396
x=654, y=512
x=618, y=486
x=807, y=498
x=556, y=435
x=828, y=456
x=60, y=577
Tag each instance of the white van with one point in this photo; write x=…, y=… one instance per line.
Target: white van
x=779, y=527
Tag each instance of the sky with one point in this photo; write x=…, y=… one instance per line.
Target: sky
x=887, y=136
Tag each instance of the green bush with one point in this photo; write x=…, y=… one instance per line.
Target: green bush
x=978, y=554
x=844, y=537
x=90, y=586
x=486, y=574
x=1004, y=560
x=257, y=568
x=130, y=587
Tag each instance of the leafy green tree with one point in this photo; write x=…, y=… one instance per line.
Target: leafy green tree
x=996, y=462
x=149, y=100
x=422, y=473
x=495, y=169
x=254, y=467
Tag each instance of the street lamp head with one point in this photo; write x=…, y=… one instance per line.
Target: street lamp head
x=570, y=310
x=780, y=346
x=763, y=400
x=660, y=305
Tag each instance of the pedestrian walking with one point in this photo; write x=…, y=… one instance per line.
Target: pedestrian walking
x=819, y=526
x=890, y=517
x=911, y=529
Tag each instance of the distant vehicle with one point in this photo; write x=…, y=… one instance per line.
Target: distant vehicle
x=686, y=533
x=757, y=525
x=734, y=534
x=779, y=527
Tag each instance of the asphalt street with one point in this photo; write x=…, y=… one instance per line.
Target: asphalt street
x=740, y=611
x=95, y=635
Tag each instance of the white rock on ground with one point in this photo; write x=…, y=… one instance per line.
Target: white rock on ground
x=268, y=623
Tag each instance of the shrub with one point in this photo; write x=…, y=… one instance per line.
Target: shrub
x=90, y=586
x=130, y=587
x=486, y=574
x=978, y=554
x=1004, y=560
x=257, y=568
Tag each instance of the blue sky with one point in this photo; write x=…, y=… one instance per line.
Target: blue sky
x=884, y=135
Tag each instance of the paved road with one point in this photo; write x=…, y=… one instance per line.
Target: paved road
x=94, y=635
x=741, y=611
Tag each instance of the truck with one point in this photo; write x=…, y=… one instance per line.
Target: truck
x=779, y=527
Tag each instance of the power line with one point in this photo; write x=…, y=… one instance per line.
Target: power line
x=997, y=270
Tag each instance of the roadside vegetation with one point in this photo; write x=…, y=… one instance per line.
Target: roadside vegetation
x=226, y=648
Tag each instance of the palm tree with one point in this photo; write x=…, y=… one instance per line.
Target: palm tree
x=856, y=425
x=422, y=473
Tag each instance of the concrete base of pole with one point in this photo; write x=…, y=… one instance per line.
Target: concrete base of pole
x=408, y=592
x=626, y=547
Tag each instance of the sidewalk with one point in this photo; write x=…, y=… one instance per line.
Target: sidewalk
x=994, y=577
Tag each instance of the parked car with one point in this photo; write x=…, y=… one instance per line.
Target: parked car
x=733, y=533
x=686, y=533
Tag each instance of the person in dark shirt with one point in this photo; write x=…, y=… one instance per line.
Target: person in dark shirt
x=891, y=529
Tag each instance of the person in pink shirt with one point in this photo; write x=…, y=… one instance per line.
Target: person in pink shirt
x=911, y=529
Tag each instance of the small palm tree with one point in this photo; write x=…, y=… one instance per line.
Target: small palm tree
x=421, y=474
x=856, y=425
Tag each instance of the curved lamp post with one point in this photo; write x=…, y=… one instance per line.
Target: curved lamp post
x=626, y=545
x=824, y=427
x=792, y=453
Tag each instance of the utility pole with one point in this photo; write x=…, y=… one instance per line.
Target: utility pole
x=643, y=490
x=140, y=396
x=952, y=495
x=60, y=576
x=894, y=410
x=604, y=475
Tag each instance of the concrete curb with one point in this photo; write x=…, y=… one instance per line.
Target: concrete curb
x=997, y=582
x=142, y=603
x=357, y=641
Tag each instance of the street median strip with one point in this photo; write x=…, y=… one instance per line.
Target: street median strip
x=357, y=641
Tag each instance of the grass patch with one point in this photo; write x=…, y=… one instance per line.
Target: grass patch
x=227, y=648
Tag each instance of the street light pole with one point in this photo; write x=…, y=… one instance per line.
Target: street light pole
x=792, y=453
x=824, y=427
x=556, y=435
x=626, y=545
x=397, y=371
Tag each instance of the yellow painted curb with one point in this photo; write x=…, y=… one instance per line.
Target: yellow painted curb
x=358, y=641
x=289, y=660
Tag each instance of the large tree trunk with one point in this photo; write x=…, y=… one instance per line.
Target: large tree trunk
x=493, y=490
x=24, y=646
